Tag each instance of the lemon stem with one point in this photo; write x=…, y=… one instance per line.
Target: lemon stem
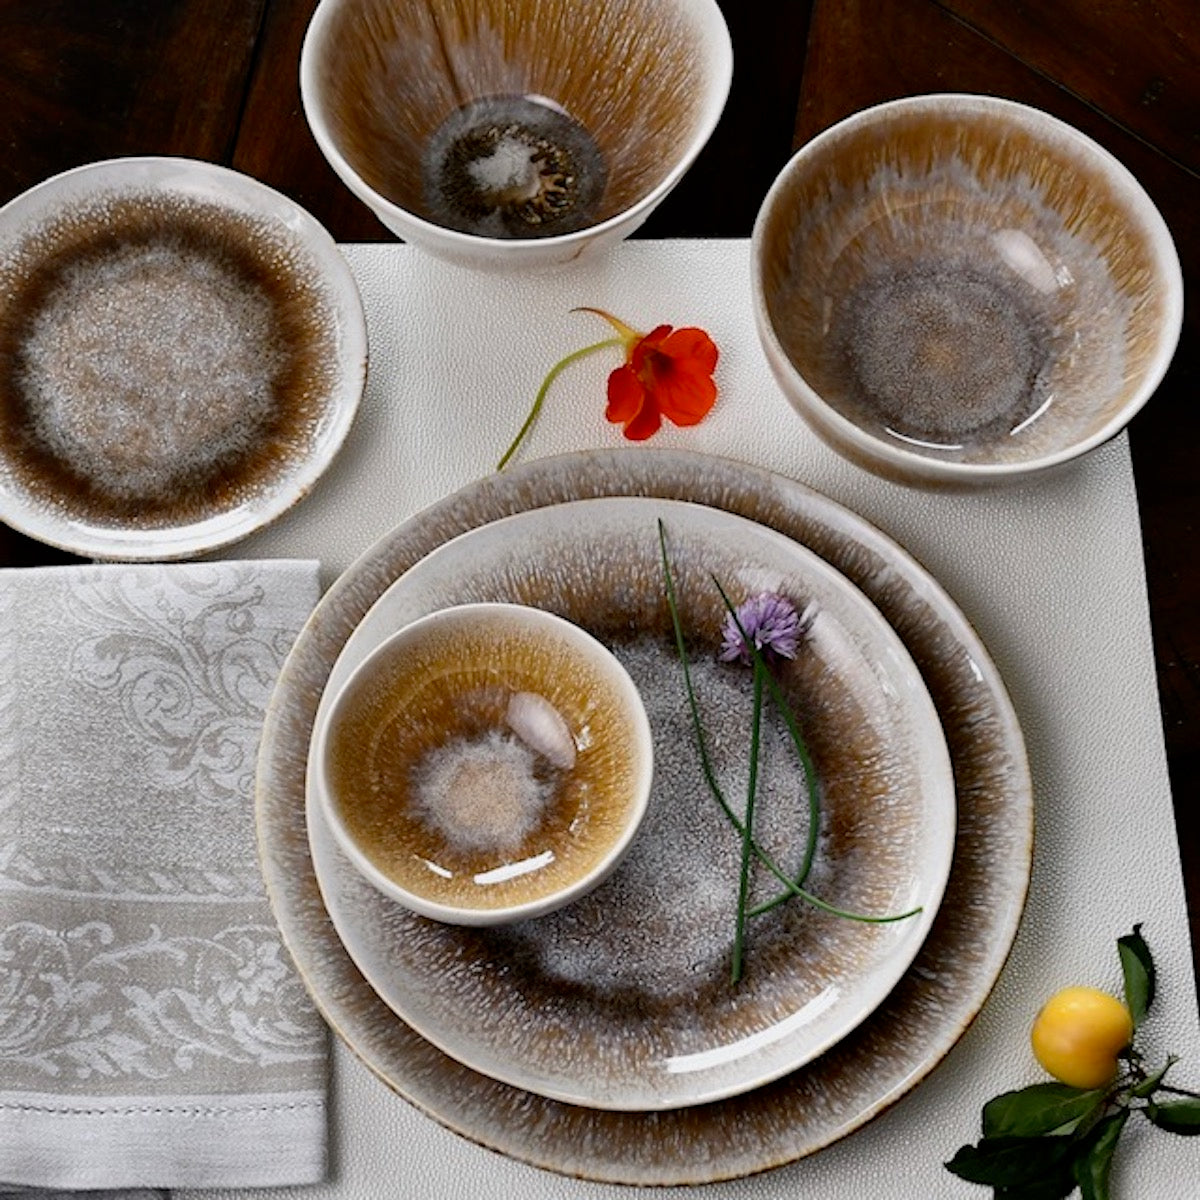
x=540, y=398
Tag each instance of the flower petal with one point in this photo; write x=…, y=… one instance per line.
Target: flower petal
x=626, y=395
x=686, y=395
x=694, y=345
x=645, y=424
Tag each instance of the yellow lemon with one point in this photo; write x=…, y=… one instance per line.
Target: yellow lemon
x=1078, y=1035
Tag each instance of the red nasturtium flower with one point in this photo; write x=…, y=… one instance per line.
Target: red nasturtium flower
x=667, y=373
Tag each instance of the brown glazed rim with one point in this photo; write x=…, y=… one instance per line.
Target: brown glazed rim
x=862, y=1076
x=49, y=517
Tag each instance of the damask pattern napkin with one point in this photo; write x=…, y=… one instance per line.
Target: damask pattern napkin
x=153, y=1032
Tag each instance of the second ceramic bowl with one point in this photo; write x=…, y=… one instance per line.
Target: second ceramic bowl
x=960, y=290
x=486, y=763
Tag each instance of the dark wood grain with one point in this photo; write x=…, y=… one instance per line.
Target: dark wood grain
x=82, y=80
x=273, y=140
x=106, y=78
x=1136, y=62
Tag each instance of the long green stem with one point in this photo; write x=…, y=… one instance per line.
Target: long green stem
x=739, y=937
x=793, y=728
x=793, y=888
x=540, y=398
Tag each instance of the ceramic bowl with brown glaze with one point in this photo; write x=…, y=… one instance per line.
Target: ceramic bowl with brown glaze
x=957, y=290
x=485, y=763
x=519, y=134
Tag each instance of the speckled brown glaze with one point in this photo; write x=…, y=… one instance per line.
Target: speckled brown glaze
x=170, y=356
x=393, y=71
x=955, y=283
x=807, y=1109
x=623, y=1000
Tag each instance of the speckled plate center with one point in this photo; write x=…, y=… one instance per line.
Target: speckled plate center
x=624, y=999
x=181, y=353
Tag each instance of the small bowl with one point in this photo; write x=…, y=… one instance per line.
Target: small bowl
x=523, y=134
x=958, y=290
x=485, y=764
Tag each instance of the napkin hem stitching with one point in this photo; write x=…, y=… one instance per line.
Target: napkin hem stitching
x=163, y=1110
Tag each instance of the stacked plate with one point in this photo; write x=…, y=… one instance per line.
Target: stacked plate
x=607, y=1041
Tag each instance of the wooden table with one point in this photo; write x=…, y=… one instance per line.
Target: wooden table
x=218, y=80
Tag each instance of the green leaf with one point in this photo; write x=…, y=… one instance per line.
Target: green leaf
x=1151, y=1082
x=1015, y=1162
x=1051, y=1188
x=1093, y=1168
x=1176, y=1116
x=1042, y=1108
x=1137, y=964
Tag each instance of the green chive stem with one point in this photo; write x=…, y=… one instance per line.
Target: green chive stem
x=806, y=762
x=795, y=887
x=739, y=938
x=791, y=886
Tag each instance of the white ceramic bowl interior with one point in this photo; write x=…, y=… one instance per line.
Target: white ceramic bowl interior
x=959, y=290
x=517, y=134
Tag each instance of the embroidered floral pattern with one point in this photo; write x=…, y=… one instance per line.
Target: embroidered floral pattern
x=137, y=951
x=78, y=1002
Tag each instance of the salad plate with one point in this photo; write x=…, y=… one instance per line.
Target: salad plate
x=624, y=999
x=182, y=352
x=829, y=1098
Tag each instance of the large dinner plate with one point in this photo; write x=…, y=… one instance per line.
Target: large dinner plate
x=869, y=1069
x=624, y=999
x=182, y=352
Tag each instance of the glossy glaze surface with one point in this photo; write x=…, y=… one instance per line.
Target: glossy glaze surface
x=513, y=134
x=869, y=1069
x=483, y=763
x=624, y=999
x=183, y=351
x=962, y=289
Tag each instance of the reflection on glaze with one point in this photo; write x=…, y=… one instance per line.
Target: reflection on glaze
x=706, y=1060
x=457, y=771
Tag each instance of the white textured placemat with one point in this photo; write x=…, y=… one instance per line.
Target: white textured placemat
x=1050, y=573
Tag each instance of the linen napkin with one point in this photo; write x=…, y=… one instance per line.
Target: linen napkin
x=153, y=1032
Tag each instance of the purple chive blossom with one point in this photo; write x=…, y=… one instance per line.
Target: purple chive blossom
x=770, y=622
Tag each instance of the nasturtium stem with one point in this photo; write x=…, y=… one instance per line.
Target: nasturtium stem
x=739, y=937
x=540, y=398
